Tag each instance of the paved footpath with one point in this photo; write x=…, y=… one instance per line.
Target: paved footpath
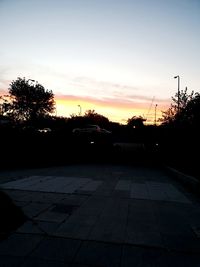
x=101, y=215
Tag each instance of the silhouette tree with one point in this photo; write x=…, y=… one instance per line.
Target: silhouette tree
x=172, y=115
x=77, y=121
x=28, y=101
x=136, y=122
x=96, y=118
x=191, y=114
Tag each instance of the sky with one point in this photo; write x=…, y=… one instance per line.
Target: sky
x=117, y=57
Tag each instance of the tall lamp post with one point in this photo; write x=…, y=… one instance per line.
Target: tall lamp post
x=175, y=77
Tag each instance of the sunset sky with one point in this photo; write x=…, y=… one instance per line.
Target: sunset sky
x=116, y=57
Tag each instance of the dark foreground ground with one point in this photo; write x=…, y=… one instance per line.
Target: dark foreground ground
x=30, y=149
x=119, y=208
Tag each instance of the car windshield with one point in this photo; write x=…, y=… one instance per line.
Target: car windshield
x=92, y=126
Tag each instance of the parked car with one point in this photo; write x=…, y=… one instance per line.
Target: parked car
x=90, y=128
x=44, y=130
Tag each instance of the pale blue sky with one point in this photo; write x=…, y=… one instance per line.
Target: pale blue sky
x=127, y=50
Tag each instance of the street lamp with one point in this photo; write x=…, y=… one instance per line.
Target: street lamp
x=178, y=91
x=79, y=110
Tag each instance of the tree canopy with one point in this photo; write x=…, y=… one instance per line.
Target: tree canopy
x=29, y=101
x=96, y=118
x=136, y=122
x=188, y=114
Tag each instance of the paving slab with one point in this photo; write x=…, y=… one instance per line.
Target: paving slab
x=74, y=199
x=77, y=226
x=29, y=227
x=11, y=261
x=109, y=229
x=147, y=239
x=34, y=209
x=143, y=257
x=79, y=230
x=59, y=249
x=25, y=183
x=53, y=184
x=88, y=220
x=38, y=227
x=181, y=243
x=116, y=207
x=123, y=185
x=48, y=227
x=20, y=204
x=120, y=194
x=174, y=226
x=107, y=188
x=139, y=191
x=91, y=186
x=46, y=197
x=93, y=206
x=99, y=254
x=157, y=191
x=51, y=215
x=41, y=197
x=182, y=259
x=19, y=244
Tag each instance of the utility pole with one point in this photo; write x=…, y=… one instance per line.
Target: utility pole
x=155, y=113
x=79, y=110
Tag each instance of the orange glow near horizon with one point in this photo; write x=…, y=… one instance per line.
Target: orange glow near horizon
x=114, y=110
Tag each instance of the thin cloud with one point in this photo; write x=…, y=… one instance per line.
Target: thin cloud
x=102, y=84
x=139, y=97
x=113, y=102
